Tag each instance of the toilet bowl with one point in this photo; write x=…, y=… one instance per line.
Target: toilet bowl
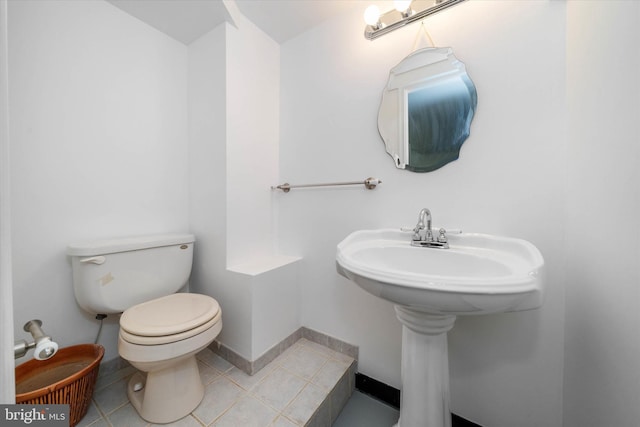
x=161, y=338
x=160, y=330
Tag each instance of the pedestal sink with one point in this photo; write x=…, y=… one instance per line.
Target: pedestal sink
x=477, y=274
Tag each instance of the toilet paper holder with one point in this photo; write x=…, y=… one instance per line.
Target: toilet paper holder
x=45, y=348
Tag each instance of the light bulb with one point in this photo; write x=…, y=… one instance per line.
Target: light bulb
x=402, y=5
x=372, y=15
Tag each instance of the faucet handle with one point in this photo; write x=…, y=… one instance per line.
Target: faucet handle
x=442, y=238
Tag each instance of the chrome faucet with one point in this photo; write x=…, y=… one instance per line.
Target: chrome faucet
x=426, y=239
x=425, y=214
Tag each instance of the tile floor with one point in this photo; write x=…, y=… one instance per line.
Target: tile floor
x=306, y=382
x=365, y=411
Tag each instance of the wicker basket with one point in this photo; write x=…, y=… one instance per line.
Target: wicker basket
x=67, y=378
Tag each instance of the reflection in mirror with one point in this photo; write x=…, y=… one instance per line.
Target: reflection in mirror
x=426, y=110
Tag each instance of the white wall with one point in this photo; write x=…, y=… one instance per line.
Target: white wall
x=98, y=126
x=602, y=356
x=7, y=363
x=253, y=86
x=506, y=370
x=208, y=171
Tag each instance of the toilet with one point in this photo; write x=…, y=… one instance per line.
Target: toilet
x=160, y=330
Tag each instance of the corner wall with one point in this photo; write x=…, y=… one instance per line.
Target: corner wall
x=602, y=346
x=253, y=111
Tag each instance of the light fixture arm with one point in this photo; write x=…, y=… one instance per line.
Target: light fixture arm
x=394, y=19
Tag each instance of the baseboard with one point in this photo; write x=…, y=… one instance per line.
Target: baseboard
x=391, y=396
x=250, y=367
x=379, y=390
x=458, y=421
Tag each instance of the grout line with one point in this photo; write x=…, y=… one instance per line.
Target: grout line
x=198, y=419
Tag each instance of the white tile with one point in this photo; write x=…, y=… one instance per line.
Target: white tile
x=207, y=373
x=329, y=352
x=106, y=380
x=322, y=417
x=339, y=397
x=342, y=357
x=330, y=374
x=219, y=396
x=318, y=347
x=188, y=421
x=91, y=416
x=306, y=403
x=210, y=358
x=282, y=421
x=285, y=354
x=245, y=380
x=304, y=362
x=126, y=416
x=112, y=397
x=278, y=388
x=247, y=412
x=100, y=422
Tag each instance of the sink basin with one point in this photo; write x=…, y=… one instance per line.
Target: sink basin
x=478, y=274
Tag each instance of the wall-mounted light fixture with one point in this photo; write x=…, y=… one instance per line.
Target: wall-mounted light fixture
x=405, y=12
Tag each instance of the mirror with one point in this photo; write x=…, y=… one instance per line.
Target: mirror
x=426, y=110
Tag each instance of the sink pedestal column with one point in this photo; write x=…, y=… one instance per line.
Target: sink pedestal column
x=425, y=368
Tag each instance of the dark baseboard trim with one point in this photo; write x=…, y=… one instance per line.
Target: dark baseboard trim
x=391, y=396
x=458, y=421
x=381, y=391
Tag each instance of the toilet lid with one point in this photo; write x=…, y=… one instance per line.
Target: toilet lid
x=169, y=315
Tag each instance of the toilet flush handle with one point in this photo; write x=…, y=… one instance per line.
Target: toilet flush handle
x=94, y=260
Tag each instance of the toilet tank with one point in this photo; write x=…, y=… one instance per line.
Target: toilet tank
x=110, y=276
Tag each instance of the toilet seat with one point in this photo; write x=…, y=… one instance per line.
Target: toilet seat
x=169, y=319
